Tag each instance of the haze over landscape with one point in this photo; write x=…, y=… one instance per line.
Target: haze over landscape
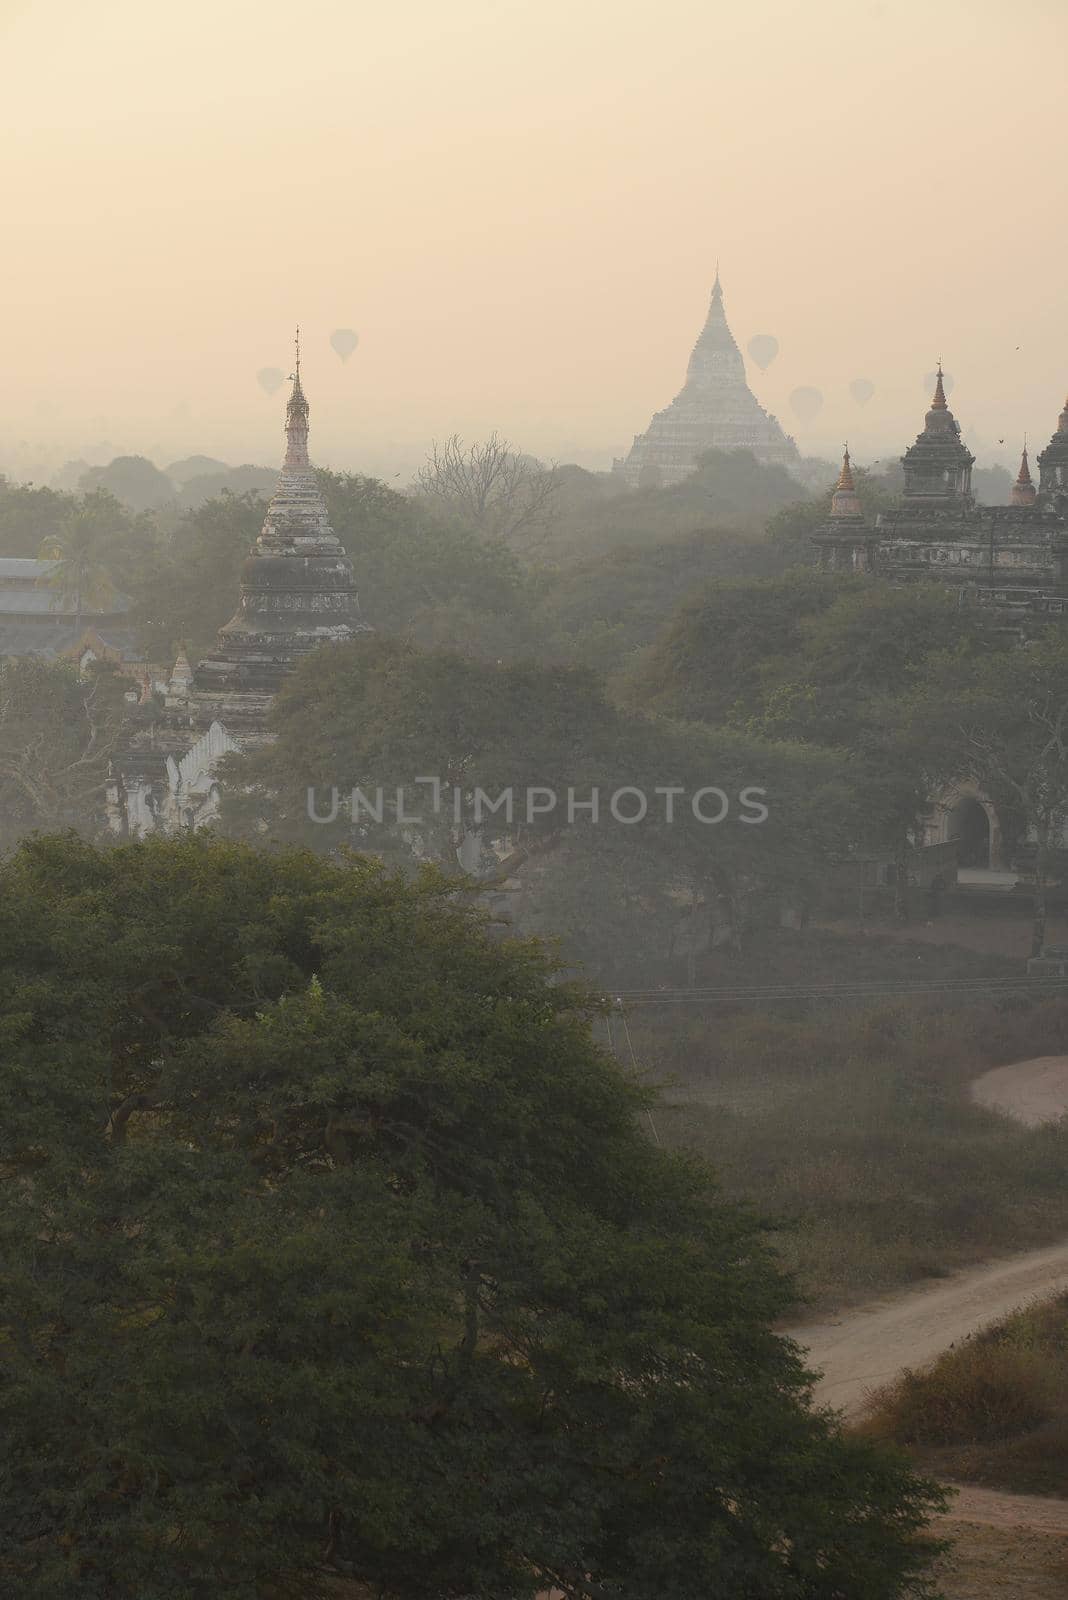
x=520, y=214
x=534, y=801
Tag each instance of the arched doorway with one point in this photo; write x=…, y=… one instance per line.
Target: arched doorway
x=969, y=824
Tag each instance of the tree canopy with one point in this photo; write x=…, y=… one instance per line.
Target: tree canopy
x=332, y=1248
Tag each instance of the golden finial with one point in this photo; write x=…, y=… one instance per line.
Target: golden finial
x=845, y=477
x=939, y=401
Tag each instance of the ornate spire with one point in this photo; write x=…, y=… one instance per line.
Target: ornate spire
x=938, y=403
x=297, y=419
x=1053, y=468
x=1023, y=490
x=845, y=502
x=938, y=467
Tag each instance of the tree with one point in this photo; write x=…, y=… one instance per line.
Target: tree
x=29, y=515
x=373, y=716
x=333, y=1249
x=81, y=577
x=424, y=575
x=57, y=734
x=134, y=480
x=490, y=487
x=192, y=586
x=1002, y=721
x=711, y=661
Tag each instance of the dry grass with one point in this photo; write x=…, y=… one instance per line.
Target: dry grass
x=993, y=1410
x=854, y=1133
x=1002, y=1564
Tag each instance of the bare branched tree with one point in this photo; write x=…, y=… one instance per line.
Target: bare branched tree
x=57, y=734
x=490, y=486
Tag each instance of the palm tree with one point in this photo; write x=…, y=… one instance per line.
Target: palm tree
x=79, y=578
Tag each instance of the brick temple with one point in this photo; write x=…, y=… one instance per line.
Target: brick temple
x=1011, y=558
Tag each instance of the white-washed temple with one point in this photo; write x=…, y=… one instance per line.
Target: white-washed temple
x=714, y=410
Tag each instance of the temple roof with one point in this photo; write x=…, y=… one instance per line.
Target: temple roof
x=938, y=465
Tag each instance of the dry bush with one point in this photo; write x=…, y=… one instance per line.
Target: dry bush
x=992, y=1410
x=971, y=1395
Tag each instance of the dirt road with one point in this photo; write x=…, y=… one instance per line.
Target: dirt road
x=866, y=1347
x=1032, y=1091
x=1005, y=1545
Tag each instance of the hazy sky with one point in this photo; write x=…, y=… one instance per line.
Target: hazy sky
x=518, y=205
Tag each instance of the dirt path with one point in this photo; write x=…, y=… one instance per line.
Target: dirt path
x=1032, y=1091
x=867, y=1347
x=994, y=1508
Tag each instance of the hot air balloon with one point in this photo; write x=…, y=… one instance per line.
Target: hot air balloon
x=806, y=403
x=763, y=347
x=270, y=379
x=343, y=341
x=930, y=378
x=862, y=390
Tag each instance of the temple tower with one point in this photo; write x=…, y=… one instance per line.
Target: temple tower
x=714, y=410
x=297, y=592
x=1023, y=490
x=938, y=467
x=1053, y=468
x=845, y=541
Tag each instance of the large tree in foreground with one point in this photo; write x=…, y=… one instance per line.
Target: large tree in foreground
x=332, y=1250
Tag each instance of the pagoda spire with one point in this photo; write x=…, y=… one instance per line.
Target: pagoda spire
x=296, y=418
x=938, y=403
x=1023, y=490
x=938, y=467
x=1053, y=468
x=845, y=502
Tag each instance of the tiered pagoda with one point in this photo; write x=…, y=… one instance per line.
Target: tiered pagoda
x=1011, y=558
x=297, y=593
x=1053, y=467
x=715, y=410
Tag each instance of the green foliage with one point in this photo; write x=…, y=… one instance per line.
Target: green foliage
x=423, y=576
x=601, y=611
x=333, y=1249
x=378, y=714
x=795, y=524
x=711, y=661
x=29, y=515
x=193, y=585
x=57, y=734
x=92, y=531
x=1001, y=722
x=730, y=495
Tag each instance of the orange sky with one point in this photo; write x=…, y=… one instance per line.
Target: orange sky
x=519, y=207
